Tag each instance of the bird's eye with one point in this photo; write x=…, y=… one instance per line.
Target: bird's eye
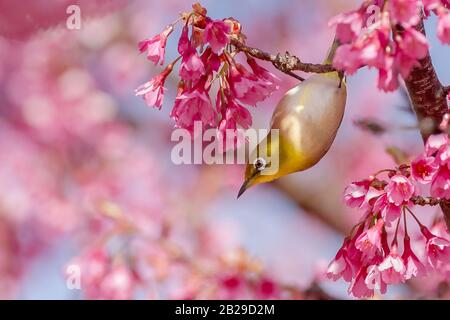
x=259, y=164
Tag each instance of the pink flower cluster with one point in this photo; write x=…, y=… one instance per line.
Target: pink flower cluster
x=441, y=9
x=103, y=279
x=207, y=57
x=433, y=166
x=366, y=259
x=385, y=37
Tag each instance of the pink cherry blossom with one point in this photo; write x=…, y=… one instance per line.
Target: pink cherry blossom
x=440, y=186
x=423, y=169
x=348, y=59
x=216, y=33
x=193, y=105
x=340, y=266
x=372, y=46
x=435, y=142
x=389, y=69
x=414, y=268
x=192, y=67
x=399, y=189
x=413, y=43
x=246, y=86
x=359, y=287
x=387, y=79
x=437, y=248
x=405, y=12
x=233, y=116
x=412, y=46
x=268, y=79
x=388, y=210
x=371, y=52
x=360, y=194
x=156, y=46
x=439, y=228
x=353, y=253
x=374, y=280
x=392, y=267
x=153, y=90
x=403, y=64
x=183, y=43
x=355, y=193
x=348, y=25
x=443, y=28
x=210, y=60
x=237, y=114
x=369, y=242
x=443, y=156
x=374, y=50
x=371, y=197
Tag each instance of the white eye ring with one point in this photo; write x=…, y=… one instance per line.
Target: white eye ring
x=259, y=164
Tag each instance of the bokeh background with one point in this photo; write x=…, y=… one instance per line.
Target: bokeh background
x=86, y=177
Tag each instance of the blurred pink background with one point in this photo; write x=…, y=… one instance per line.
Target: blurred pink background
x=86, y=176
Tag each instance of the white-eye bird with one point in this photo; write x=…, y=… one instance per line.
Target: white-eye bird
x=308, y=117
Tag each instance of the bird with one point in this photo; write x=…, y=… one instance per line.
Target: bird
x=307, y=117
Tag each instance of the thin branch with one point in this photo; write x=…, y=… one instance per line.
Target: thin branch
x=296, y=76
x=283, y=62
x=427, y=201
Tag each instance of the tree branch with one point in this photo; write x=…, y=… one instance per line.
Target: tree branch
x=304, y=195
x=447, y=90
x=283, y=62
x=429, y=101
x=427, y=201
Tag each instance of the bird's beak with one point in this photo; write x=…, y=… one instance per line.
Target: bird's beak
x=243, y=188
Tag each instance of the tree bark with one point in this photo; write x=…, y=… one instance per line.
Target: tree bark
x=429, y=101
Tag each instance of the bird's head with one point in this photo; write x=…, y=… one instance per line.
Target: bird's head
x=263, y=165
x=254, y=174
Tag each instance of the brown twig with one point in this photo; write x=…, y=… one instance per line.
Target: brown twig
x=429, y=101
x=296, y=76
x=427, y=201
x=286, y=62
